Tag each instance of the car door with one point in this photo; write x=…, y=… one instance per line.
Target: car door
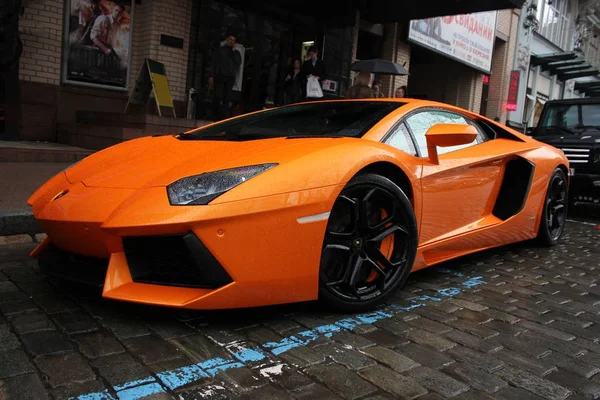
x=459, y=192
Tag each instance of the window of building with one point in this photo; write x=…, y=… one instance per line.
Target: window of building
x=420, y=123
x=554, y=17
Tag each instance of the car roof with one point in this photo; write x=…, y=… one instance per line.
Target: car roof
x=585, y=100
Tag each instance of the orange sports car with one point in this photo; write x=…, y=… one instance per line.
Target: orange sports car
x=330, y=200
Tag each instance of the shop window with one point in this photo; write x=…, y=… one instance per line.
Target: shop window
x=337, y=55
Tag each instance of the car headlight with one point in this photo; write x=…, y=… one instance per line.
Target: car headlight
x=596, y=156
x=202, y=189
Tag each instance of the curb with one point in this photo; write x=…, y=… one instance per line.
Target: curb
x=18, y=222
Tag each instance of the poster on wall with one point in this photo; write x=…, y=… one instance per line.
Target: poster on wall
x=97, y=49
x=468, y=38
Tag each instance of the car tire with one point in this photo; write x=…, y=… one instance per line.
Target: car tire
x=369, y=245
x=554, y=213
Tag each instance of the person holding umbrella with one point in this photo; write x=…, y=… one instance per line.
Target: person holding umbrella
x=361, y=89
x=381, y=67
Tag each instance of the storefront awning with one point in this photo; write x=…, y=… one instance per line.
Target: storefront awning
x=591, y=89
x=566, y=65
x=341, y=12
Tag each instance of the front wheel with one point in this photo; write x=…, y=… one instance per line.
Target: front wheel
x=370, y=244
x=554, y=214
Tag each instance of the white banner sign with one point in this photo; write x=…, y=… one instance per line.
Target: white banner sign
x=468, y=38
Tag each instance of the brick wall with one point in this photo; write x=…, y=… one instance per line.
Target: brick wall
x=141, y=38
x=41, y=33
x=502, y=63
x=398, y=51
x=153, y=18
x=172, y=17
x=497, y=78
x=504, y=22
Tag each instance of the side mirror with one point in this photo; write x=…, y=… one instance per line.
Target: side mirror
x=448, y=135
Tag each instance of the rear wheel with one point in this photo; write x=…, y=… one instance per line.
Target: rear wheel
x=554, y=215
x=370, y=244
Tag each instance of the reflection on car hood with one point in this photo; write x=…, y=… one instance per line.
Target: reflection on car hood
x=160, y=161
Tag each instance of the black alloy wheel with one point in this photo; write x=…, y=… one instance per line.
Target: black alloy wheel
x=554, y=215
x=369, y=246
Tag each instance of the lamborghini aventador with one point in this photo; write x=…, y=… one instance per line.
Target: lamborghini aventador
x=331, y=200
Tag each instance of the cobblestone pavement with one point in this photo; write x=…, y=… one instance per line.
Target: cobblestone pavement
x=519, y=322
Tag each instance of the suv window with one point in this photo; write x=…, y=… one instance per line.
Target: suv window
x=562, y=115
x=420, y=123
x=569, y=116
x=590, y=114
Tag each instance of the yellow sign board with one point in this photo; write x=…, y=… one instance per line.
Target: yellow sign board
x=152, y=79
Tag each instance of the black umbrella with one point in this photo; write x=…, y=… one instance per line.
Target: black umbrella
x=379, y=66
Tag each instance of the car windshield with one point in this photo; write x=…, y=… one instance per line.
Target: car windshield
x=567, y=116
x=319, y=119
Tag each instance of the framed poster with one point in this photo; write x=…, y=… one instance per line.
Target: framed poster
x=97, y=43
x=467, y=38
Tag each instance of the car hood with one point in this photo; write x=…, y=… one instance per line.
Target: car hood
x=588, y=139
x=159, y=161
x=558, y=137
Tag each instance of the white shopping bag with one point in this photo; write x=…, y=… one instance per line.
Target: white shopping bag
x=313, y=89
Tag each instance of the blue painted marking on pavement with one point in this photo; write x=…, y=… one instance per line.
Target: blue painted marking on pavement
x=425, y=298
x=473, y=282
x=181, y=376
x=104, y=395
x=134, y=383
x=223, y=367
x=450, y=292
x=139, y=392
x=249, y=355
x=185, y=375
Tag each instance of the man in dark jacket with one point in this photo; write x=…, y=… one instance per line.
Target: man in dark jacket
x=313, y=67
x=225, y=65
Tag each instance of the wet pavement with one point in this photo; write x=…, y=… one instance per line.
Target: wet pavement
x=519, y=322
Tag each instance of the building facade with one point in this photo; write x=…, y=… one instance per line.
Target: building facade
x=557, y=56
x=473, y=74
x=65, y=75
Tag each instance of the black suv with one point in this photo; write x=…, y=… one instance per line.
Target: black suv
x=573, y=126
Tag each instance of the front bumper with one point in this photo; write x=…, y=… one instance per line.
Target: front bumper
x=239, y=254
x=585, y=189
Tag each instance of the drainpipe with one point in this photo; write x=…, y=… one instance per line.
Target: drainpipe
x=534, y=92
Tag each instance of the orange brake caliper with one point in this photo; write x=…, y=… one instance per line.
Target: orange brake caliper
x=386, y=248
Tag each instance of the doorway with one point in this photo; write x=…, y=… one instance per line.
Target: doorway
x=268, y=47
x=484, y=95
